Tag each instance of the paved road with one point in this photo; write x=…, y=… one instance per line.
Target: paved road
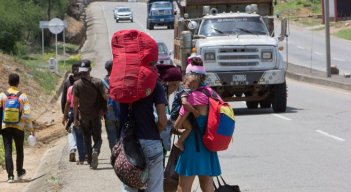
x=305, y=149
x=307, y=48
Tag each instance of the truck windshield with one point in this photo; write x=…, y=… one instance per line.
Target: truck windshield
x=233, y=26
x=162, y=5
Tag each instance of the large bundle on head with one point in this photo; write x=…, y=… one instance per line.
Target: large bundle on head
x=133, y=75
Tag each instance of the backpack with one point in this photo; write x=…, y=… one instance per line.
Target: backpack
x=133, y=75
x=12, y=108
x=113, y=110
x=220, y=123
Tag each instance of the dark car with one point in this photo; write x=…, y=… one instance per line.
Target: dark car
x=164, y=55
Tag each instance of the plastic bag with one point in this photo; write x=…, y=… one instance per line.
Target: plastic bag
x=32, y=140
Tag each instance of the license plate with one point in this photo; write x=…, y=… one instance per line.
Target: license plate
x=239, y=78
x=162, y=20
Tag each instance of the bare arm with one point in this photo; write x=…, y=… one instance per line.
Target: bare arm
x=65, y=113
x=162, y=118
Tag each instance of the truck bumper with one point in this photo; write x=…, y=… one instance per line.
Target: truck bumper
x=161, y=20
x=245, y=78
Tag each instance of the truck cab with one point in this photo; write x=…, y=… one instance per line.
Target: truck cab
x=240, y=53
x=160, y=13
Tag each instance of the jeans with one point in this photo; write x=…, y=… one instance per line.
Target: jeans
x=153, y=152
x=8, y=135
x=112, y=127
x=91, y=128
x=78, y=132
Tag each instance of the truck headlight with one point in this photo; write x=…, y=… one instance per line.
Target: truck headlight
x=210, y=56
x=267, y=55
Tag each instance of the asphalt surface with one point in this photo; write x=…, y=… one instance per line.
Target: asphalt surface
x=54, y=169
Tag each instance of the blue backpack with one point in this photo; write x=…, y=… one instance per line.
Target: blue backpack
x=113, y=109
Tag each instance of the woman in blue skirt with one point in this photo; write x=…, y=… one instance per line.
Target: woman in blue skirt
x=195, y=159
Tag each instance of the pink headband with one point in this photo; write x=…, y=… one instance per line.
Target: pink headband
x=195, y=69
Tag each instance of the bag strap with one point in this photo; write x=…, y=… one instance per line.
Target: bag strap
x=213, y=94
x=196, y=131
x=18, y=94
x=106, y=84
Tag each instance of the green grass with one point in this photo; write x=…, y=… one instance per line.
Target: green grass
x=38, y=64
x=290, y=6
x=345, y=34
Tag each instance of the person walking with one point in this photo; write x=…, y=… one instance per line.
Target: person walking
x=75, y=136
x=113, y=112
x=13, y=124
x=148, y=133
x=72, y=142
x=90, y=95
x=196, y=159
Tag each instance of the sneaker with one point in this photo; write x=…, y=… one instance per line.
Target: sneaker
x=94, y=161
x=21, y=174
x=11, y=179
x=72, y=156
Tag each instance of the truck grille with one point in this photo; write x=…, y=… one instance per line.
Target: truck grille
x=238, y=57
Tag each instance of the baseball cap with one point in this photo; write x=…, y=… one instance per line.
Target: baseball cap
x=84, y=65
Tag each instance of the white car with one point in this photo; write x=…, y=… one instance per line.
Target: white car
x=123, y=13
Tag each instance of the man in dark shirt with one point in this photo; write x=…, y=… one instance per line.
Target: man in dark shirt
x=148, y=133
x=87, y=91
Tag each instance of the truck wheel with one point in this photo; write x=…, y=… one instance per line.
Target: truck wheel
x=280, y=98
x=152, y=26
x=148, y=25
x=252, y=104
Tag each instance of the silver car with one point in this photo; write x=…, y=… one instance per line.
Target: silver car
x=164, y=55
x=123, y=13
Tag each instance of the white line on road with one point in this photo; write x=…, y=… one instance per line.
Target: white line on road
x=317, y=53
x=300, y=47
x=331, y=136
x=282, y=117
x=338, y=59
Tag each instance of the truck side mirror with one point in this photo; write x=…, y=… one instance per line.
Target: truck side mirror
x=283, y=31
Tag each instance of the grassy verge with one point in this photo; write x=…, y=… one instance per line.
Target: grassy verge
x=38, y=64
x=344, y=33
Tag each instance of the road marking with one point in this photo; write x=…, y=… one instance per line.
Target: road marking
x=317, y=53
x=338, y=59
x=282, y=117
x=331, y=136
x=299, y=47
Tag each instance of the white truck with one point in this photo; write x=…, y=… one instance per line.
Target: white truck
x=240, y=53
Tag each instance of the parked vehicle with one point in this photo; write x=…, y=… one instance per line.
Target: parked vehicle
x=161, y=13
x=241, y=56
x=164, y=54
x=123, y=13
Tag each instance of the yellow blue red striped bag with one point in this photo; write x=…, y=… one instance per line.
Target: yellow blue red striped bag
x=220, y=123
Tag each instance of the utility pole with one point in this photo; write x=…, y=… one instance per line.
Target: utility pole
x=327, y=36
